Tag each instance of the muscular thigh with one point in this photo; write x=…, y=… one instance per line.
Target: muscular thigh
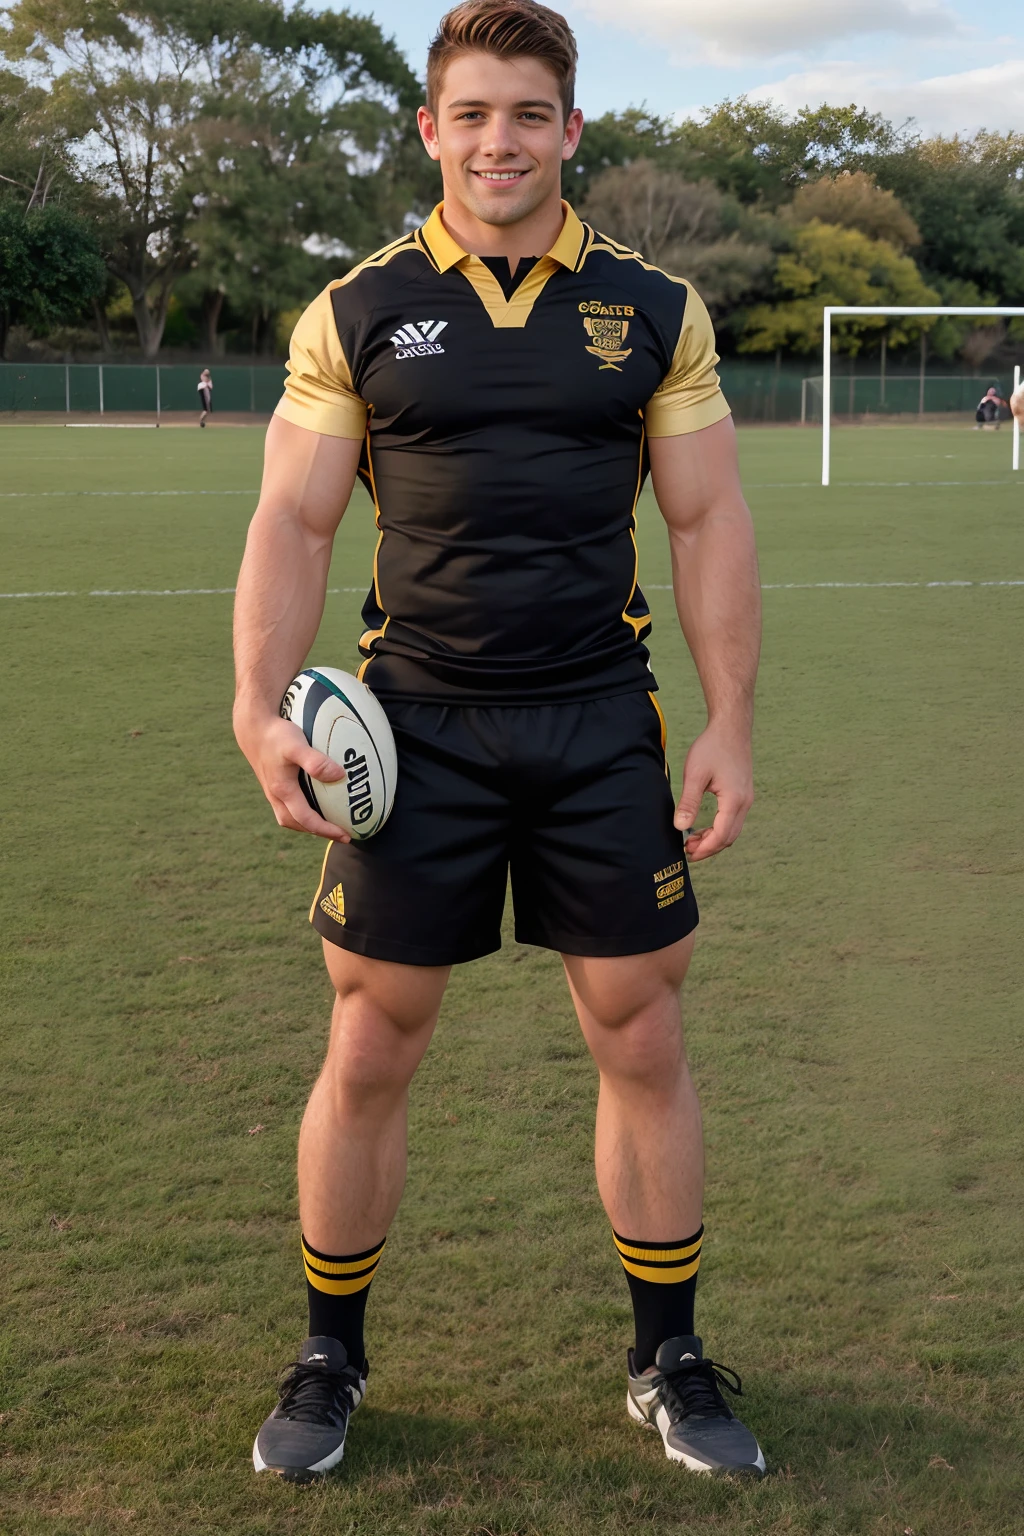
x=408, y=995
x=384, y=1016
x=615, y=990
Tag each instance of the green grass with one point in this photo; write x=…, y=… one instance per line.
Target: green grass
x=854, y=1018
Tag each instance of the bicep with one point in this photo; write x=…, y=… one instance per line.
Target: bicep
x=307, y=476
x=695, y=472
x=316, y=436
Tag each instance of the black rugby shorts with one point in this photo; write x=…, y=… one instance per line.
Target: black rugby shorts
x=573, y=798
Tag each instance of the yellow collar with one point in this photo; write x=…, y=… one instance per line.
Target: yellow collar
x=448, y=253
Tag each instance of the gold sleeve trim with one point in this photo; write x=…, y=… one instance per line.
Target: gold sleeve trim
x=690, y=395
x=319, y=393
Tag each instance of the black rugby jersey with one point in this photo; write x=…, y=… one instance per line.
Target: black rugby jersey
x=505, y=451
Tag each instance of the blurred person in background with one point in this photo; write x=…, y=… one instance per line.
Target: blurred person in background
x=987, y=413
x=205, y=388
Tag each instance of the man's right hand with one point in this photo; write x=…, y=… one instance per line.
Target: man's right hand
x=1017, y=403
x=276, y=750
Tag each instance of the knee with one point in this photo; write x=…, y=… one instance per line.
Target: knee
x=643, y=1048
x=374, y=1051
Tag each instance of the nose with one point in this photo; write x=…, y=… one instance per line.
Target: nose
x=501, y=141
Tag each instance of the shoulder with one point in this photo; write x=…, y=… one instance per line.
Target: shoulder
x=375, y=280
x=613, y=259
x=662, y=295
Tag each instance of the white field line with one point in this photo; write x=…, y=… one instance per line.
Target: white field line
x=24, y=495
x=829, y=586
x=855, y=485
x=751, y=485
x=162, y=592
x=767, y=586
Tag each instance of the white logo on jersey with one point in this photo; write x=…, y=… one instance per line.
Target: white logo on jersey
x=419, y=340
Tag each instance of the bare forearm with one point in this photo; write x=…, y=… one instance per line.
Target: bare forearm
x=718, y=598
x=307, y=481
x=278, y=607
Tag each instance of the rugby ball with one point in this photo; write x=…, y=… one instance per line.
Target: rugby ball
x=339, y=715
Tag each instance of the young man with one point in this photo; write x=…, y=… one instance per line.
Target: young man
x=501, y=380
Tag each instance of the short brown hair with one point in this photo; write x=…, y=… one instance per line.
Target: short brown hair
x=510, y=29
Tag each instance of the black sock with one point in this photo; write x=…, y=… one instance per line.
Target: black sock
x=662, y=1279
x=337, y=1286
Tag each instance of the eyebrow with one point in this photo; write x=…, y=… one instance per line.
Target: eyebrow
x=518, y=105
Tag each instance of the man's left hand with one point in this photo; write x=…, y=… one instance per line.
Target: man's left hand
x=719, y=761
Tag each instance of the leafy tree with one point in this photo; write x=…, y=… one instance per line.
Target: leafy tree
x=831, y=265
x=137, y=88
x=756, y=152
x=50, y=267
x=688, y=228
x=967, y=198
x=617, y=138
x=855, y=201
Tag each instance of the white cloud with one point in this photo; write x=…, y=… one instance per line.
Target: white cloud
x=992, y=97
x=735, y=30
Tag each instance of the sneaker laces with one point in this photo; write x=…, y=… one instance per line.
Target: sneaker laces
x=313, y=1394
x=693, y=1389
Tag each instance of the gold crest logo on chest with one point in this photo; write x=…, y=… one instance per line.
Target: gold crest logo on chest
x=607, y=325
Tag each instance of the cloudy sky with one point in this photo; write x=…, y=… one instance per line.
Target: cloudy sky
x=951, y=66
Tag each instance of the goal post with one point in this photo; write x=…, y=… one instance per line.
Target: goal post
x=990, y=310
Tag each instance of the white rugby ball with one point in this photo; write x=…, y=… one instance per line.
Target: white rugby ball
x=339, y=715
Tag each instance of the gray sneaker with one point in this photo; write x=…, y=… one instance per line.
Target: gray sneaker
x=304, y=1437
x=680, y=1396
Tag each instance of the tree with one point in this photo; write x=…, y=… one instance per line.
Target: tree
x=617, y=138
x=690, y=229
x=753, y=150
x=831, y=265
x=967, y=198
x=136, y=86
x=855, y=201
x=50, y=267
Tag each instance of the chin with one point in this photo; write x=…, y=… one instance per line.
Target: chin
x=505, y=210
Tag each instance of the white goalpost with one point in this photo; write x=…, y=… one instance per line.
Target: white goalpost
x=892, y=309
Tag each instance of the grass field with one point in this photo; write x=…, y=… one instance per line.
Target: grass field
x=854, y=1018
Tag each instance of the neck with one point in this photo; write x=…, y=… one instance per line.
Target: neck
x=531, y=236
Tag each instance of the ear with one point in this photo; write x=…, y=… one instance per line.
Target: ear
x=428, y=132
x=573, y=129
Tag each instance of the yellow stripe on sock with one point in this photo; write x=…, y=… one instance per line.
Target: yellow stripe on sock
x=657, y=1255
x=662, y=1276
x=348, y=1267
x=339, y=1287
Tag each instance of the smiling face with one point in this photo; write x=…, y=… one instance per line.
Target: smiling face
x=500, y=135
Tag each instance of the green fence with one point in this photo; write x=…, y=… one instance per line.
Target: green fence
x=146, y=388
x=894, y=395
x=756, y=391
x=762, y=391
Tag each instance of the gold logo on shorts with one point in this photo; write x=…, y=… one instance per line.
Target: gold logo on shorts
x=608, y=334
x=672, y=887
x=671, y=884
x=334, y=905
